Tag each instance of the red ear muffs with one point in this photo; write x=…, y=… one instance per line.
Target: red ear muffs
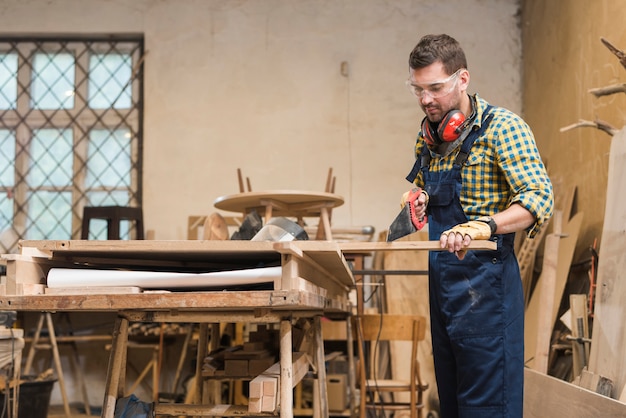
x=448, y=130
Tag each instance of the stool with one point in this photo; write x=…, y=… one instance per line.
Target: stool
x=113, y=215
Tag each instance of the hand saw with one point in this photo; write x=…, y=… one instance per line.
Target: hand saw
x=407, y=222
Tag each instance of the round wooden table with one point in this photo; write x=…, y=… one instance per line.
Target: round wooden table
x=287, y=203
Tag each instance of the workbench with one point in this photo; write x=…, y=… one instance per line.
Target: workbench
x=315, y=282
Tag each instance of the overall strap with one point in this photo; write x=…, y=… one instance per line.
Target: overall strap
x=473, y=136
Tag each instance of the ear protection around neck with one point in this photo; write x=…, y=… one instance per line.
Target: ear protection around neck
x=449, y=129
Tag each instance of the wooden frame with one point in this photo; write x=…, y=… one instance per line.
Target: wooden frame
x=375, y=328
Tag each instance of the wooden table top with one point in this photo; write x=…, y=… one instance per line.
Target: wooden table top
x=283, y=202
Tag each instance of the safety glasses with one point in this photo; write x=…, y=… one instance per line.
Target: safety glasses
x=436, y=89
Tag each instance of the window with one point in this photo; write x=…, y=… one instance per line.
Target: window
x=70, y=134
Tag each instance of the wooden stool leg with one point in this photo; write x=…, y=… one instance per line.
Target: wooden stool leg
x=117, y=360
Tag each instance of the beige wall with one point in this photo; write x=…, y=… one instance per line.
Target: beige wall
x=563, y=59
x=257, y=85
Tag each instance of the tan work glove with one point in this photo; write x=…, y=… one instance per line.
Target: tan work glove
x=460, y=236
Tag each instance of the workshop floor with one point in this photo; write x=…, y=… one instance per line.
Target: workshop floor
x=57, y=411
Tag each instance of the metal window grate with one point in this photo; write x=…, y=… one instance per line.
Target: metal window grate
x=71, y=114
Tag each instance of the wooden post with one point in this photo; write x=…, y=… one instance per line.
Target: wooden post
x=117, y=361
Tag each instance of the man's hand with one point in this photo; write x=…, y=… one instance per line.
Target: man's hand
x=420, y=203
x=460, y=236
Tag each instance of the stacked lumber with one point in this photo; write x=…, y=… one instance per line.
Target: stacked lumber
x=249, y=359
x=265, y=388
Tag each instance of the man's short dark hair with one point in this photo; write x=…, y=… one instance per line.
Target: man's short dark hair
x=433, y=48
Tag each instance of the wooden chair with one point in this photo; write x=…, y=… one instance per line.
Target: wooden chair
x=380, y=393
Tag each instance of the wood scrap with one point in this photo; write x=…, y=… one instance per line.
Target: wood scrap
x=527, y=254
x=596, y=383
x=547, y=295
x=579, y=326
x=598, y=124
x=621, y=56
x=608, y=90
x=609, y=326
x=264, y=389
x=566, y=247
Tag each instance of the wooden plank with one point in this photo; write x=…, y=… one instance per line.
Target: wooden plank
x=608, y=341
x=408, y=244
x=221, y=410
x=320, y=253
x=567, y=245
x=547, y=295
x=92, y=290
x=579, y=325
x=546, y=396
x=231, y=302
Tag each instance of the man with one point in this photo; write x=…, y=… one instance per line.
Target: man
x=482, y=178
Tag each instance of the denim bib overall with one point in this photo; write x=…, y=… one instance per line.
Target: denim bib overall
x=476, y=308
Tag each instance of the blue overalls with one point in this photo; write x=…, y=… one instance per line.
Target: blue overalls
x=476, y=308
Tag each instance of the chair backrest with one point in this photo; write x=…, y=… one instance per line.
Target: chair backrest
x=389, y=327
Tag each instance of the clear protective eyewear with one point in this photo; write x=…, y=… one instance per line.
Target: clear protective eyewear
x=436, y=89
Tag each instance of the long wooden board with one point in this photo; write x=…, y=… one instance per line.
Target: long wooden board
x=546, y=396
x=608, y=343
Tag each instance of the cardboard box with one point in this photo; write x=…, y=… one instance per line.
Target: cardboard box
x=337, y=389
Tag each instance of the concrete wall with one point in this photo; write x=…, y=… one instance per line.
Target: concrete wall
x=257, y=85
x=563, y=60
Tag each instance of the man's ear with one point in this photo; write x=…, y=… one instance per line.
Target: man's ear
x=464, y=79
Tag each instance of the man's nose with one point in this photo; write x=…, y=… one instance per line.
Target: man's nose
x=426, y=98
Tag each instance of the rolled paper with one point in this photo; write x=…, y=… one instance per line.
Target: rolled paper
x=64, y=277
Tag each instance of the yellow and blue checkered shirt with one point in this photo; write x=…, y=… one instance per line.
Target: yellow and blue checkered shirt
x=504, y=167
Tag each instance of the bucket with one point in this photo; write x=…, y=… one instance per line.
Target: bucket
x=34, y=397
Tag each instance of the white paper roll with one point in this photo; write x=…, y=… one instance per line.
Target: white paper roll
x=61, y=277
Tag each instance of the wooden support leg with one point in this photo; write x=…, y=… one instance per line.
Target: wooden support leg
x=322, y=401
x=117, y=361
x=351, y=368
x=57, y=363
x=286, y=370
x=78, y=372
x=34, y=345
x=182, y=359
x=200, y=355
